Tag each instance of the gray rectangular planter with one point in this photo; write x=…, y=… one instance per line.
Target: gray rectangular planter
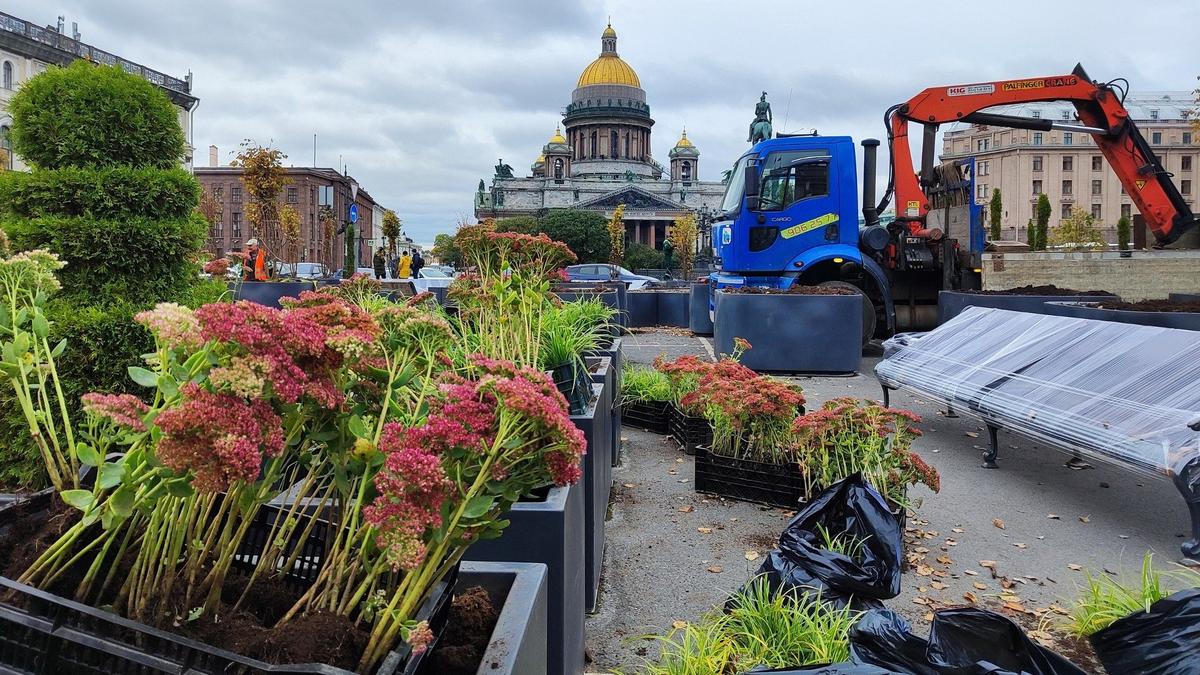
x=611, y=294
x=607, y=375
x=673, y=307
x=699, y=321
x=613, y=352
x=792, y=333
x=269, y=293
x=952, y=303
x=596, y=425
x=549, y=531
x=519, y=640
x=1089, y=310
x=643, y=308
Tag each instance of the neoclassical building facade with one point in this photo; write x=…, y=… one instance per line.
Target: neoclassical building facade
x=601, y=156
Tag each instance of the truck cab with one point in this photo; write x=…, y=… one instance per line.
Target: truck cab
x=790, y=216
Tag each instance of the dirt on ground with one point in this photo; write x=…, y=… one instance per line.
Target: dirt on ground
x=460, y=649
x=794, y=290
x=1153, y=306
x=1050, y=289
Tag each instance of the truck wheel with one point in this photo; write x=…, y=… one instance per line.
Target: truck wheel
x=868, y=321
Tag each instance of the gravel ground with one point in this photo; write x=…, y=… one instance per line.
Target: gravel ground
x=672, y=554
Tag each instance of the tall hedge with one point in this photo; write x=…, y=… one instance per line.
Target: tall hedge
x=108, y=196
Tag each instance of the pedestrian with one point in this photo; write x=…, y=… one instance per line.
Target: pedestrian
x=380, y=261
x=254, y=262
x=417, y=264
x=404, y=270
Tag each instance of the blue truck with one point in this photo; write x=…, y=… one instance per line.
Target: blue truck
x=790, y=215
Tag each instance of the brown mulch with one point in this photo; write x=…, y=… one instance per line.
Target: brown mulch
x=1049, y=289
x=794, y=290
x=1153, y=306
x=468, y=631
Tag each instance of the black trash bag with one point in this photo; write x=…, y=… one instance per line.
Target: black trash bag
x=801, y=566
x=962, y=641
x=828, y=669
x=1162, y=641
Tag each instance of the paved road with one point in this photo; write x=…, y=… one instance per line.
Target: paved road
x=657, y=561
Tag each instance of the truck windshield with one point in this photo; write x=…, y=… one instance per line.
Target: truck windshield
x=737, y=186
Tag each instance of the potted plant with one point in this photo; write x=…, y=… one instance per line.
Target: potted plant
x=751, y=415
x=645, y=398
x=847, y=436
x=418, y=457
x=803, y=329
x=685, y=421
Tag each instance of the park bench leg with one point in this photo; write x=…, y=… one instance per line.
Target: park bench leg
x=1187, y=480
x=950, y=411
x=989, y=459
x=887, y=396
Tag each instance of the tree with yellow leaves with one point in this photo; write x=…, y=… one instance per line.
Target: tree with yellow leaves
x=616, y=236
x=683, y=234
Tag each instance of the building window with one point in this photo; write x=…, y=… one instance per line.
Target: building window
x=1153, y=114
x=558, y=168
x=1185, y=187
x=325, y=195
x=1156, y=138
x=1097, y=187
x=595, y=144
x=686, y=171
x=8, y=75
x=612, y=142
x=1068, y=138
x=6, y=147
x=235, y=193
x=1185, y=163
x=982, y=169
x=627, y=144
x=1096, y=211
x=1037, y=114
x=1067, y=188
x=1097, y=163
x=1187, y=138
x=1065, y=114
x=1068, y=163
x=1066, y=210
x=982, y=144
x=1037, y=187
x=1037, y=138
x=237, y=224
x=293, y=195
x=982, y=190
x=1037, y=162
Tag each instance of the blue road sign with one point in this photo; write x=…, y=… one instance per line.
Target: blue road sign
x=354, y=213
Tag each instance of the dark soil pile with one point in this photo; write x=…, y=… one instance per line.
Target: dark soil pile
x=794, y=290
x=468, y=631
x=1050, y=289
x=1153, y=306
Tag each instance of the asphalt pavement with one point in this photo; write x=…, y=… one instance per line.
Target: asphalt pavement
x=1018, y=539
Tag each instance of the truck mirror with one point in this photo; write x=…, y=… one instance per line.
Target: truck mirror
x=751, y=186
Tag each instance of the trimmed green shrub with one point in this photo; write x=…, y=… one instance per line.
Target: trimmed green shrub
x=136, y=260
x=113, y=192
x=1124, y=231
x=640, y=256
x=90, y=115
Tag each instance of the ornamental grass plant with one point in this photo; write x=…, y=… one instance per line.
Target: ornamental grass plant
x=1104, y=600
x=640, y=384
x=346, y=403
x=847, y=436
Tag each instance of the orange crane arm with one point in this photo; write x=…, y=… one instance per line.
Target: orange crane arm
x=1100, y=111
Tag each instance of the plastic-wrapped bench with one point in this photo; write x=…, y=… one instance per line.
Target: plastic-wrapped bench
x=1125, y=394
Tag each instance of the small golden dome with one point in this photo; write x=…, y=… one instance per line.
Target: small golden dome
x=609, y=32
x=608, y=69
x=540, y=160
x=557, y=137
x=684, y=142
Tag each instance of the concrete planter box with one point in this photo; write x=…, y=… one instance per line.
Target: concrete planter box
x=269, y=292
x=673, y=308
x=699, y=322
x=518, y=590
x=792, y=333
x=606, y=375
x=441, y=293
x=1184, y=297
x=613, y=352
x=643, y=309
x=1089, y=310
x=549, y=531
x=612, y=294
x=596, y=425
x=952, y=303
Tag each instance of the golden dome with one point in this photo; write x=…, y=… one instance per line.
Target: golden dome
x=540, y=160
x=609, y=32
x=558, y=137
x=608, y=69
x=684, y=142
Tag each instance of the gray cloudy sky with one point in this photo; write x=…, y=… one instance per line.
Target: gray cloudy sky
x=421, y=98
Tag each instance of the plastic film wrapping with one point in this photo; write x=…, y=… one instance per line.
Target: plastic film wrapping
x=1118, y=392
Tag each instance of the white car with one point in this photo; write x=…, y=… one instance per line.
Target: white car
x=431, y=277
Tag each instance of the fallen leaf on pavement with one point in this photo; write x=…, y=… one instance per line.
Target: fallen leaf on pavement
x=1043, y=638
x=920, y=600
x=716, y=569
x=998, y=523
x=957, y=530
x=945, y=560
x=751, y=555
x=929, y=616
x=628, y=485
x=687, y=509
x=1074, y=567
x=679, y=625
x=971, y=572
x=1053, y=516
x=704, y=530
x=980, y=586
x=1059, y=610
x=1020, y=545
x=679, y=460
x=1085, y=519
x=1005, y=582
x=951, y=542
x=990, y=564
x=1009, y=597
x=672, y=472
x=924, y=570
x=1015, y=607
x=937, y=585
x=970, y=597
x=972, y=434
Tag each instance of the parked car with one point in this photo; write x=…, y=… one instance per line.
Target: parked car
x=303, y=270
x=604, y=272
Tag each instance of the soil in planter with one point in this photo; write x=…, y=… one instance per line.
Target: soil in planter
x=469, y=629
x=1050, y=289
x=794, y=290
x=1153, y=306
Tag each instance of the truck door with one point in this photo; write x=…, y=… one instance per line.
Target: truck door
x=798, y=209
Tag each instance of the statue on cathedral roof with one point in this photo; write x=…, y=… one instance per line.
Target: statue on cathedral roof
x=760, y=128
x=503, y=170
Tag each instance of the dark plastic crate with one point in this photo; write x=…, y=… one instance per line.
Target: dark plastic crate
x=44, y=633
x=689, y=432
x=653, y=416
x=749, y=481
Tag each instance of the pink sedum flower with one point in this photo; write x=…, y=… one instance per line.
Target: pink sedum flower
x=174, y=325
x=420, y=637
x=126, y=410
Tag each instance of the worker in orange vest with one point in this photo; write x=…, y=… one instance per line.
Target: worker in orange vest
x=254, y=266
